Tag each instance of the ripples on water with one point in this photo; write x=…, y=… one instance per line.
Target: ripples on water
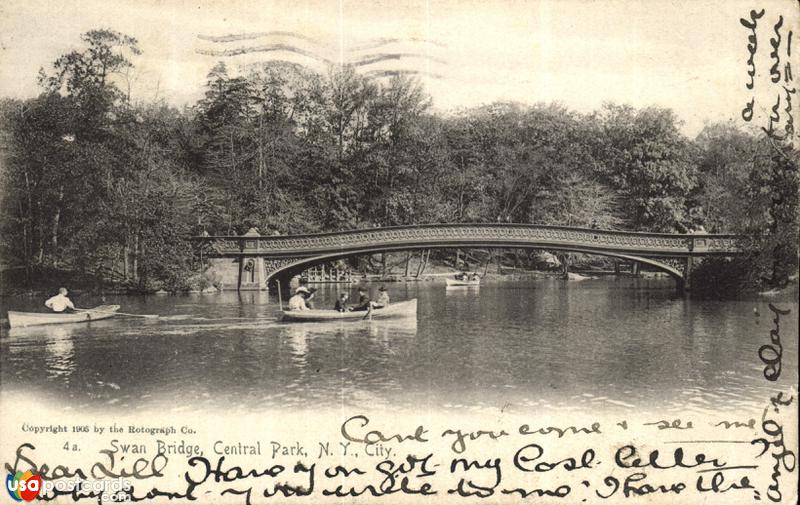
x=534, y=346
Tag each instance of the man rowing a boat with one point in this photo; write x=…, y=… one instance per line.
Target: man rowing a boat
x=364, y=302
x=60, y=302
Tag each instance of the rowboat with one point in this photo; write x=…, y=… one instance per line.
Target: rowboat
x=396, y=310
x=459, y=282
x=22, y=319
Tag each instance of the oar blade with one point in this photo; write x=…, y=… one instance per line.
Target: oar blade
x=146, y=316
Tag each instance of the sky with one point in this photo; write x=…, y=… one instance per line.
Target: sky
x=686, y=55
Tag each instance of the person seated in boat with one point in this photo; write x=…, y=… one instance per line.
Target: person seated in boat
x=310, y=298
x=298, y=301
x=364, y=302
x=383, y=298
x=474, y=277
x=60, y=302
x=341, y=304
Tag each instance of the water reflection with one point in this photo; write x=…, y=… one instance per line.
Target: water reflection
x=298, y=341
x=547, y=344
x=59, y=351
x=462, y=290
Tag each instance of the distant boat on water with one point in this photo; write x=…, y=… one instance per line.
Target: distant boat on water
x=476, y=281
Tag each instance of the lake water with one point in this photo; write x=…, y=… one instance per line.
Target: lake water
x=603, y=344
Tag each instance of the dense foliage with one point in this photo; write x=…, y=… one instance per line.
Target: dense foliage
x=97, y=183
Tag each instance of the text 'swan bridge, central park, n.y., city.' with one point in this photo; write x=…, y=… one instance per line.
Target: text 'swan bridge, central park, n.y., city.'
x=283, y=256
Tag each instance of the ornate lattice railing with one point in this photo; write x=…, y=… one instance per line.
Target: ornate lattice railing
x=475, y=235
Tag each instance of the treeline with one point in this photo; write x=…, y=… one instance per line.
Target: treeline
x=96, y=182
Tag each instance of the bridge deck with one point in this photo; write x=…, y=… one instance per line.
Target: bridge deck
x=476, y=235
x=272, y=256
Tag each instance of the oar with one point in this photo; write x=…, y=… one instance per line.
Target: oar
x=146, y=316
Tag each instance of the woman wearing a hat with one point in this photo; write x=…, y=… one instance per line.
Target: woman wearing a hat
x=383, y=298
x=298, y=301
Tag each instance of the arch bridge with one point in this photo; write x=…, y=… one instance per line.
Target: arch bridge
x=260, y=258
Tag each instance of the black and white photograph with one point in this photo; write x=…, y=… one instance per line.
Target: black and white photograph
x=514, y=251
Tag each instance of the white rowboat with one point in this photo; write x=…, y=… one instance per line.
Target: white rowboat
x=395, y=310
x=458, y=282
x=23, y=319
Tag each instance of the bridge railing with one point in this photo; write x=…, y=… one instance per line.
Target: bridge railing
x=475, y=235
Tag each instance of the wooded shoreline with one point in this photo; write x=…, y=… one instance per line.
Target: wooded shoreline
x=95, y=183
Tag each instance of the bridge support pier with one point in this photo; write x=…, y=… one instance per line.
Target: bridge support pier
x=684, y=282
x=240, y=276
x=251, y=274
x=687, y=274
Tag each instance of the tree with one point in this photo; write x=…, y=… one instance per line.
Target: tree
x=648, y=161
x=389, y=164
x=724, y=164
x=44, y=165
x=749, y=186
x=91, y=77
x=579, y=202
